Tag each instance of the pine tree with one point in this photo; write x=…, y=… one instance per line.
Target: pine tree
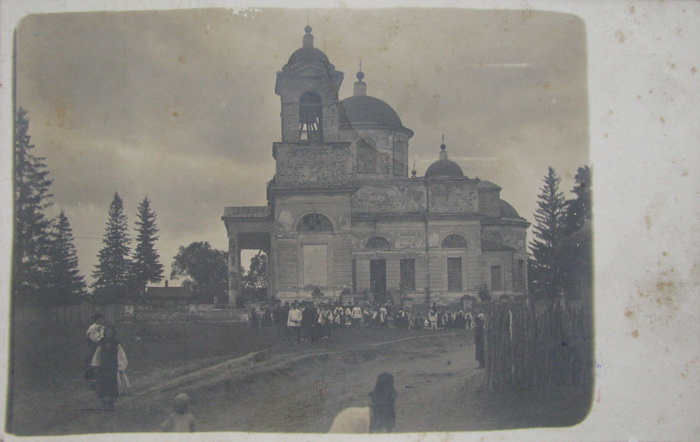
x=549, y=232
x=146, y=266
x=579, y=210
x=64, y=284
x=112, y=273
x=575, y=253
x=31, y=226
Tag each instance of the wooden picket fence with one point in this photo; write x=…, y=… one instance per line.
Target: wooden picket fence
x=66, y=314
x=529, y=347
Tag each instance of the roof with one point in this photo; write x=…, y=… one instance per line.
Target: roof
x=308, y=56
x=507, y=210
x=248, y=212
x=485, y=184
x=366, y=109
x=487, y=244
x=444, y=168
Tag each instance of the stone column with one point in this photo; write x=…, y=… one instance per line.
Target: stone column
x=233, y=269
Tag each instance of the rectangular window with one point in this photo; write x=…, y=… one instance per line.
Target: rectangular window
x=454, y=274
x=519, y=276
x=408, y=275
x=496, y=282
x=354, y=276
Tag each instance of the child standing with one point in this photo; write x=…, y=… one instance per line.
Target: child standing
x=180, y=420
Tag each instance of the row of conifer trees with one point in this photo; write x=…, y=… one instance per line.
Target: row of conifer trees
x=45, y=262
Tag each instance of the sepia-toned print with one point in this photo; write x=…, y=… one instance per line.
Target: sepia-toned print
x=301, y=221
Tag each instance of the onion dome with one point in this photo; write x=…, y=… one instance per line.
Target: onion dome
x=308, y=55
x=444, y=167
x=361, y=109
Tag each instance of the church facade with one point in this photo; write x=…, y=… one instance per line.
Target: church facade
x=345, y=218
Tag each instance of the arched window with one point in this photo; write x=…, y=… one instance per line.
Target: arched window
x=454, y=241
x=315, y=222
x=378, y=243
x=310, y=117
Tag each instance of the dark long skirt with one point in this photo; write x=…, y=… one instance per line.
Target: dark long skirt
x=106, y=374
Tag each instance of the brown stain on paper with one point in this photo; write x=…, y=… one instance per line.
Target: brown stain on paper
x=620, y=36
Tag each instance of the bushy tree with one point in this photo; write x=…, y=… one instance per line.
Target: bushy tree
x=31, y=225
x=146, y=266
x=257, y=275
x=205, y=270
x=63, y=284
x=112, y=273
x=544, y=272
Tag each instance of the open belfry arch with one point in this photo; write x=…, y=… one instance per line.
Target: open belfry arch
x=343, y=216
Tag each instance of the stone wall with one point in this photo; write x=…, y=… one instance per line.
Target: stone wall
x=312, y=164
x=453, y=196
x=407, y=196
x=489, y=202
x=390, y=151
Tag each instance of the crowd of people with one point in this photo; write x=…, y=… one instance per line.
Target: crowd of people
x=307, y=319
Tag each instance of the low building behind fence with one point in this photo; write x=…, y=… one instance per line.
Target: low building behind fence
x=529, y=347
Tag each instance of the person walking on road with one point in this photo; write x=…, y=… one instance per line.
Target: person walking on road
x=94, y=335
x=110, y=363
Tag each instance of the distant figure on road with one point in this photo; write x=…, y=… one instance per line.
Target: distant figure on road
x=110, y=362
x=433, y=317
x=294, y=321
x=380, y=416
x=356, y=317
x=94, y=335
x=479, y=339
x=180, y=420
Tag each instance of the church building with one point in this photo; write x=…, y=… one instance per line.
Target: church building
x=345, y=218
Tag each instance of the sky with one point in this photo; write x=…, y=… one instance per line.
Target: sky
x=180, y=106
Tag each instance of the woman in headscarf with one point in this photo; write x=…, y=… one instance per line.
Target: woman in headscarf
x=110, y=362
x=379, y=416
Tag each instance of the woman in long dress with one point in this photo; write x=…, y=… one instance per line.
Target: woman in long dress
x=379, y=416
x=110, y=362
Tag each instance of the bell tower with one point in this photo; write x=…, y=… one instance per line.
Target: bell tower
x=308, y=88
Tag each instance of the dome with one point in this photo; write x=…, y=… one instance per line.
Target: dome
x=308, y=56
x=444, y=168
x=369, y=110
x=507, y=211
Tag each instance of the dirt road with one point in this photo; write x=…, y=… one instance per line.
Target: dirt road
x=301, y=388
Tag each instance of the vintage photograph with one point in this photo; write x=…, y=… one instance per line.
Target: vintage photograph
x=301, y=221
